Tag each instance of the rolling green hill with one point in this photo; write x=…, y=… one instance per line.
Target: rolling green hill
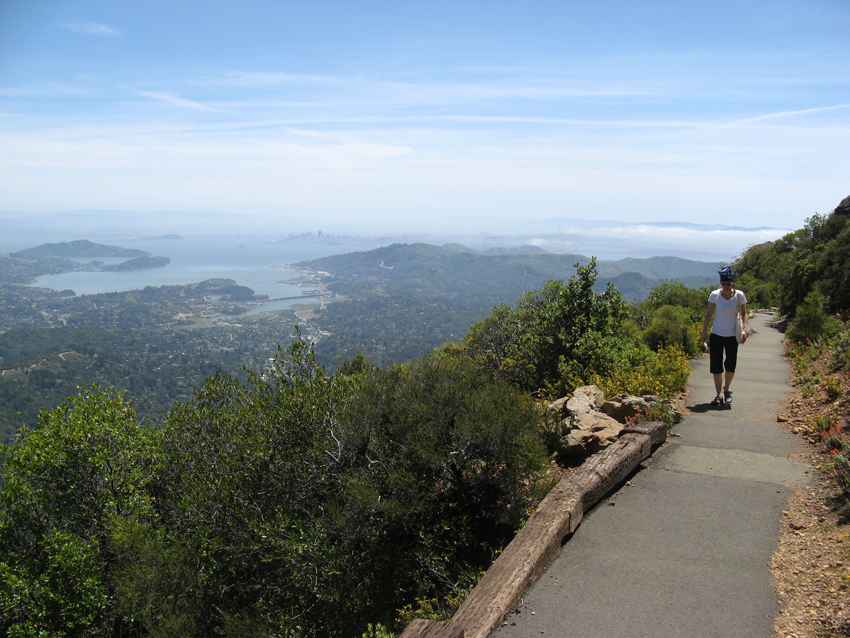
x=452, y=269
x=82, y=249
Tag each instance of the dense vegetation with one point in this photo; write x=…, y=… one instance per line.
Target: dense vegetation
x=41, y=367
x=806, y=272
x=292, y=502
x=393, y=329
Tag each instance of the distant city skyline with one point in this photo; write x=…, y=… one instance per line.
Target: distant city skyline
x=441, y=117
x=605, y=239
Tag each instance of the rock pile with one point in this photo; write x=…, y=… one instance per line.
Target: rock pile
x=590, y=422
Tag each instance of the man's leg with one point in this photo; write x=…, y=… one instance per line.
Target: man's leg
x=730, y=365
x=718, y=383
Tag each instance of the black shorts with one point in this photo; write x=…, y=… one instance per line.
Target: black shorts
x=717, y=345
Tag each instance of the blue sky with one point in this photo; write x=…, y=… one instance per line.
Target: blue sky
x=428, y=116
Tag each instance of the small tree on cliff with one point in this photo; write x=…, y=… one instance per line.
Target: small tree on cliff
x=562, y=330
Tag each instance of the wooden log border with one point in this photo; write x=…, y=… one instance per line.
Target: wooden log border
x=539, y=541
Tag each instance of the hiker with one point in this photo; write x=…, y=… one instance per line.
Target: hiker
x=725, y=303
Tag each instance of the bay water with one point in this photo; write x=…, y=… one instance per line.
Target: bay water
x=253, y=261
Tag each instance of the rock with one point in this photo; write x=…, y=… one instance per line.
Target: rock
x=557, y=404
x=624, y=406
x=576, y=406
x=780, y=323
x=592, y=393
x=585, y=399
x=589, y=433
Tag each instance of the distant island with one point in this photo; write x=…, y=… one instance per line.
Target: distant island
x=145, y=262
x=82, y=249
x=27, y=265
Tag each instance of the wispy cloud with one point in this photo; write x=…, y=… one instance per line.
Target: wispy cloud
x=549, y=88
x=773, y=116
x=91, y=28
x=260, y=78
x=178, y=101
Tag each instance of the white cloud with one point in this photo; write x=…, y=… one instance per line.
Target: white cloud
x=177, y=101
x=91, y=28
x=772, y=116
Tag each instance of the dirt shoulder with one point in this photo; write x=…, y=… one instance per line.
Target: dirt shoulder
x=811, y=564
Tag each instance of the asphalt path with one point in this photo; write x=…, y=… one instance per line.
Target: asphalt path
x=682, y=549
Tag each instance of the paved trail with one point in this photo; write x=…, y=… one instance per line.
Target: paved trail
x=683, y=550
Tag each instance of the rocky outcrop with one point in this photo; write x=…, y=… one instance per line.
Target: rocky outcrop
x=591, y=423
x=589, y=433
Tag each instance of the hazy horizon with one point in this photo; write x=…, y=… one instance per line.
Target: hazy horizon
x=449, y=118
x=604, y=239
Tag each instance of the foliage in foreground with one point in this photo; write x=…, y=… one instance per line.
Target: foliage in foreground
x=290, y=504
x=565, y=336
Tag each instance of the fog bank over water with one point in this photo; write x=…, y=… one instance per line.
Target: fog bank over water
x=604, y=239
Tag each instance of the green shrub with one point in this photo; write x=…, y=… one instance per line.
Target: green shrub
x=690, y=301
x=441, y=463
x=670, y=326
x=564, y=324
x=809, y=321
x=663, y=374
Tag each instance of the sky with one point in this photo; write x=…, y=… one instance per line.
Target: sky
x=428, y=116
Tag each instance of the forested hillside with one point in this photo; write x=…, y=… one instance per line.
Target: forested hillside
x=487, y=277
x=404, y=299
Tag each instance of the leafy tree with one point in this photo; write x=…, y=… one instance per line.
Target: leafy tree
x=247, y=478
x=300, y=503
x=834, y=263
x=441, y=464
x=812, y=258
x=690, y=301
x=560, y=329
x=64, y=483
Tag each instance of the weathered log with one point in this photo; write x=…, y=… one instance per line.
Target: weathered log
x=429, y=629
x=655, y=430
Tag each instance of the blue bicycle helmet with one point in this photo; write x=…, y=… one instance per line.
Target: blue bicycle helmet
x=726, y=274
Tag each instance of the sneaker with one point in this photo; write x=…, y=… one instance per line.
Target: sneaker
x=717, y=401
x=727, y=394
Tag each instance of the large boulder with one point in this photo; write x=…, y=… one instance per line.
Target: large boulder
x=585, y=399
x=589, y=432
x=558, y=404
x=592, y=423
